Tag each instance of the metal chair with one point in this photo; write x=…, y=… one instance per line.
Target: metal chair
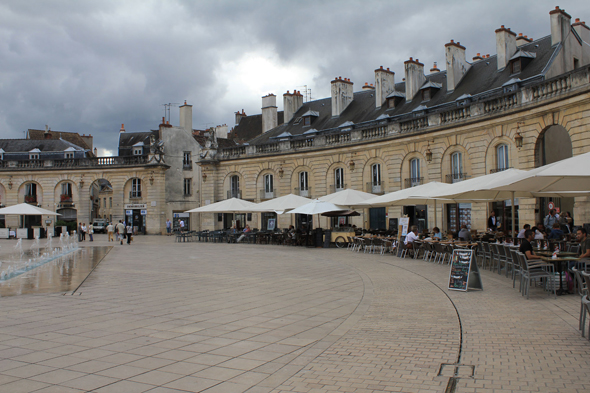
x=582, y=291
x=535, y=271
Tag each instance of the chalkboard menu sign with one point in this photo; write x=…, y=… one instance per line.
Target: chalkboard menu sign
x=464, y=271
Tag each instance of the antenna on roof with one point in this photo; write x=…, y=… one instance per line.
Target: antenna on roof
x=306, y=93
x=167, y=108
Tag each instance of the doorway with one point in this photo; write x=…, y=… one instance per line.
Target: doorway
x=418, y=216
x=377, y=219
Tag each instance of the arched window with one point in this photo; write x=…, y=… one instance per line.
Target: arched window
x=375, y=178
x=268, y=186
x=339, y=179
x=303, y=184
x=456, y=167
x=234, y=187
x=30, y=193
x=135, y=188
x=415, y=178
x=502, y=161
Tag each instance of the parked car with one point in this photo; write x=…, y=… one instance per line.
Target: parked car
x=100, y=225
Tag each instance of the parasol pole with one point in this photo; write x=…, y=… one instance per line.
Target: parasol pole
x=513, y=223
x=435, y=212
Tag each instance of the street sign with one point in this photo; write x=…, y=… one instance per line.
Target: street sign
x=144, y=212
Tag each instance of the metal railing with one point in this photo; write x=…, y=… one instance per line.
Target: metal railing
x=134, y=194
x=267, y=194
x=303, y=192
x=413, y=181
x=337, y=187
x=376, y=187
x=499, y=169
x=234, y=194
x=457, y=177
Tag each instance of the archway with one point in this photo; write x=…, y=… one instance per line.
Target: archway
x=101, y=200
x=553, y=144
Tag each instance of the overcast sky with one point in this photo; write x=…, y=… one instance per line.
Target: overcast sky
x=88, y=66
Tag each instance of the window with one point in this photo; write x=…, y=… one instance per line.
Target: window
x=376, y=174
x=136, y=188
x=456, y=167
x=98, y=201
x=268, y=186
x=339, y=179
x=303, y=184
x=111, y=204
x=426, y=95
x=415, y=179
x=576, y=63
x=33, y=156
x=502, y=161
x=516, y=66
x=187, y=186
x=30, y=193
x=104, y=202
x=137, y=151
x=307, y=120
x=66, y=189
x=234, y=186
x=187, y=162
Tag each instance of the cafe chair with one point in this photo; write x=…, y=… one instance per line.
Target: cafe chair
x=534, y=271
x=583, y=292
x=487, y=255
x=516, y=269
x=350, y=245
x=402, y=250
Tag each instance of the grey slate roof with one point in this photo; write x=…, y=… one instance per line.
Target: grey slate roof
x=128, y=139
x=483, y=78
x=45, y=145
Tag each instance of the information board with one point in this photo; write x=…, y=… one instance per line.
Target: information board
x=464, y=272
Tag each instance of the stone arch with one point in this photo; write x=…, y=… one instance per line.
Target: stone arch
x=227, y=185
x=405, y=168
x=260, y=184
x=137, y=194
x=553, y=144
x=101, y=192
x=446, y=163
x=36, y=199
x=2, y=195
x=367, y=177
x=491, y=158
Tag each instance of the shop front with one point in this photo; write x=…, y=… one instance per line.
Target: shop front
x=181, y=216
x=135, y=215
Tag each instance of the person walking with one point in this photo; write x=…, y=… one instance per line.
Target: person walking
x=83, y=231
x=168, y=227
x=91, y=231
x=181, y=225
x=79, y=231
x=551, y=219
x=493, y=222
x=129, y=232
x=120, y=231
x=110, y=230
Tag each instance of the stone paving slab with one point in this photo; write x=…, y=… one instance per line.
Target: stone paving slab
x=157, y=316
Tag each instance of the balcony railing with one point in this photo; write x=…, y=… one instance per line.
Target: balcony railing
x=303, y=192
x=90, y=162
x=413, y=181
x=187, y=167
x=134, y=194
x=30, y=198
x=457, y=177
x=376, y=187
x=337, y=187
x=267, y=194
x=499, y=169
x=64, y=198
x=234, y=194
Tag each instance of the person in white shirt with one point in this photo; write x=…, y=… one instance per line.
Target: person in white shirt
x=411, y=237
x=181, y=225
x=522, y=231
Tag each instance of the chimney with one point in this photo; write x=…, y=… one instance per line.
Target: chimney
x=434, y=68
x=186, y=117
x=291, y=103
x=239, y=116
x=415, y=78
x=269, y=112
x=384, y=85
x=342, y=95
x=95, y=152
x=560, y=25
x=457, y=66
x=478, y=57
x=505, y=46
x=47, y=133
x=123, y=127
x=522, y=40
x=368, y=86
x=582, y=30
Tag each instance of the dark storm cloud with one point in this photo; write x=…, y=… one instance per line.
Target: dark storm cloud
x=88, y=66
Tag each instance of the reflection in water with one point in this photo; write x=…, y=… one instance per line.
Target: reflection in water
x=62, y=274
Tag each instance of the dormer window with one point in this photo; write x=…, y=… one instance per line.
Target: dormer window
x=69, y=153
x=394, y=98
x=307, y=117
x=516, y=66
x=137, y=151
x=511, y=86
x=464, y=100
x=34, y=154
x=429, y=90
x=1, y=154
x=520, y=60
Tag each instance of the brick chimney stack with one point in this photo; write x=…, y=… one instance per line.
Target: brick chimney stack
x=342, y=95
x=505, y=46
x=269, y=112
x=186, y=117
x=560, y=25
x=384, y=85
x=291, y=103
x=414, y=72
x=457, y=66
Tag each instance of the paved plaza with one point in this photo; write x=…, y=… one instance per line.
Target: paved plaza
x=162, y=317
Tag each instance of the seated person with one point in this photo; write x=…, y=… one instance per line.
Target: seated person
x=541, y=228
x=539, y=235
x=243, y=235
x=584, y=240
x=523, y=230
x=411, y=237
x=556, y=232
x=291, y=232
x=464, y=233
x=526, y=247
x=436, y=234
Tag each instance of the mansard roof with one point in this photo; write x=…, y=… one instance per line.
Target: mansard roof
x=72, y=137
x=481, y=80
x=251, y=126
x=44, y=145
x=130, y=139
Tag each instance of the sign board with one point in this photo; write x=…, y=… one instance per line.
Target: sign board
x=154, y=203
x=178, y=215
x=135, y=206
x=464, y=272
x=128, y=212
x=404, y=223
x=271, y=224
x=144, y=212
x=557, y=210
x=551, y=205
x=48, y=222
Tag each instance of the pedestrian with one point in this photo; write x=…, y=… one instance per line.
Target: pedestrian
x=551, y=219
x=492, y=222
x=83, y=231
x=91, y=231
x=181, y=225
x=168, y=227
x=120, y=231
x=129, y=233
x=110, y=230
x=79, y=231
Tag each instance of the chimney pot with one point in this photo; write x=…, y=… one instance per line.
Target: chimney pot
x=381, y=67
x=520, y=34
x=387, y=68
x=478, y=54
x=411, y=57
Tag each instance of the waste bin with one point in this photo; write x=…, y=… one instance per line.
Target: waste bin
x=327, y=238
x=319, y=237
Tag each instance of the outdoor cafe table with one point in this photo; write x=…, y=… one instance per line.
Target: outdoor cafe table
x=558, y=263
